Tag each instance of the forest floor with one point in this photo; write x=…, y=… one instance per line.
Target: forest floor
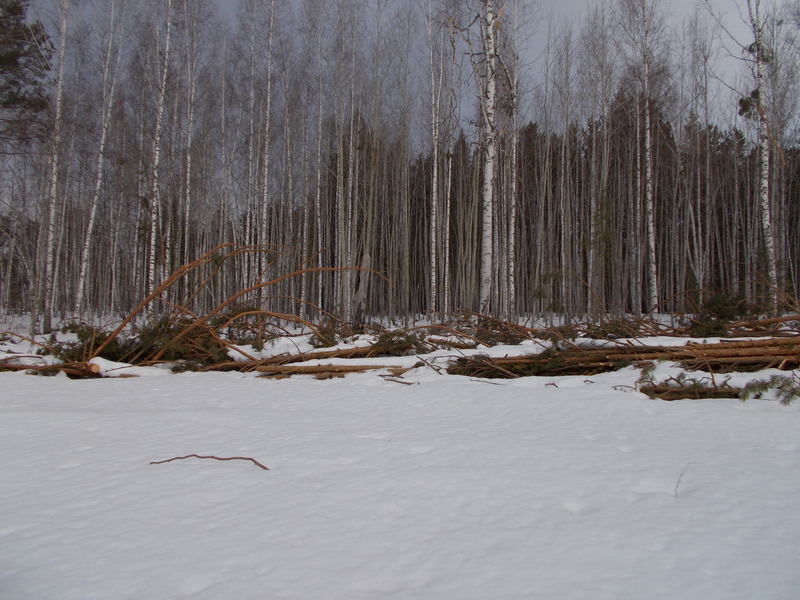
x=392, y=485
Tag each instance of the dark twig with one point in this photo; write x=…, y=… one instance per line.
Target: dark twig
x=252, y=460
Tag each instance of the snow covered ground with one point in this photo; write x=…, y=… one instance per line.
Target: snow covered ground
x=450, y=488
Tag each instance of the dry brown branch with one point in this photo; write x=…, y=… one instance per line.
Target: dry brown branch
x=689, y=392
x=29, y=340
x=395, y=380
x=324, y=376
x=212, y=332
x=252, y=460
x=311, y=369
x=220, y=307
x=75, y=370
x=282, y=359
x=357, y=352
x=185, y=269
x=782, y=353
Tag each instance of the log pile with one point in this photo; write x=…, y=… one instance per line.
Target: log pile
x=285, y=359
x=319, y=371
x=781, y=353
x=74, y=370
x=689, y=392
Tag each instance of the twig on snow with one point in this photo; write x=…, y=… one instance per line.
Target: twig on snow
x=252, y=460
x=683, y=472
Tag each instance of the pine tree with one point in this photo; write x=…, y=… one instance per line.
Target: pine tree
x=25, y=53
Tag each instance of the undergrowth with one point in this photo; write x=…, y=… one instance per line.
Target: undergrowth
x=717, y=314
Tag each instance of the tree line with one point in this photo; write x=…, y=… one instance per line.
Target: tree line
x=404, y=158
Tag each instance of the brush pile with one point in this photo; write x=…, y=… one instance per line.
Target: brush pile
x=780, y=352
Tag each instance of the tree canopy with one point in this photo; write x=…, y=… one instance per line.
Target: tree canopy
x=25, y=52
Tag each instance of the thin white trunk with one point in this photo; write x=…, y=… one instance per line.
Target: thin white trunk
x=488, y=76
x=436, y=74
x=108, y=107
x=52, y=193
x=263, y=225
x=753, y=8
x=649, y=210
x=318, y=191
x=652, y=278
x=191, y=67
x=155, y=200
x=247, y=264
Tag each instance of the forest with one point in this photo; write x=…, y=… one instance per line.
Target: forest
x=380, y=159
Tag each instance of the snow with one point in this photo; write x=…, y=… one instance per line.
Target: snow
x=450, y=488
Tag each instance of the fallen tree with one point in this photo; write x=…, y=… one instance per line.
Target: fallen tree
x=781, y=353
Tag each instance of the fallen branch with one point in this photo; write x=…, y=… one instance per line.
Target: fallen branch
x=780, y=353
x=252, y=460
x=282, y=359
x=313, y=369
x=75, y=370
x=689, y=392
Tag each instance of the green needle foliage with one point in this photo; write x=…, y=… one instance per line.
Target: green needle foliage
x=25, y=53
x=785, y=387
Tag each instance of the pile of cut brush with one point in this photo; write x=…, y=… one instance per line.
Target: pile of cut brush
x=725, y=356
x=232, y=335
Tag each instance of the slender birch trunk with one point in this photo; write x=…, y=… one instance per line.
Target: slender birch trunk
x=51, y=210
x=488, y=83
x=155, y=199
x=758, y=50
x=109, y=86
x=263, y=224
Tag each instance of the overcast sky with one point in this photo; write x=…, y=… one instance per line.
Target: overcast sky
x=573, y=9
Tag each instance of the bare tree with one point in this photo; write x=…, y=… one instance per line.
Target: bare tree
x=643, y=23
x=48, y=232
x=112, y=54
x=485, y=65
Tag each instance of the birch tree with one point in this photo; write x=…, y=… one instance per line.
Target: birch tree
x=643, y=22
x=757, y=102
x=753, y=105
x=48, y=232
x=155, y=183
x=485, y=69
x=111, y=56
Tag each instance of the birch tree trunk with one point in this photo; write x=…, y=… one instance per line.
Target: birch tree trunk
x=52, y=193
x=642, y=22
x=486, y=73
x=760, y=57
x=109, y=86
x=155, y=198
x=263, y=220
x=436, y=78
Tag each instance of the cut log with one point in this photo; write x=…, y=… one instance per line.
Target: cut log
x=76, y=370
x=689, y=392
x=781, y=353
x=283, y=359
x=312, y=369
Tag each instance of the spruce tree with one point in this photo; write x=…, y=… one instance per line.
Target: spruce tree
x=25, y=53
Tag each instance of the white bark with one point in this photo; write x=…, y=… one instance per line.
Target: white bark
x=436, y=76
x=263, y=224
x=642, y=22
x=649, y=210
x=754, y=13
x=109, y=90
x=191, y=33
x=51, y=209
x=155, y=200
x=487, y=76
x=511, y=291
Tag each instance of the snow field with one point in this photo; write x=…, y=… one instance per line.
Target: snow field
x=450, y=489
